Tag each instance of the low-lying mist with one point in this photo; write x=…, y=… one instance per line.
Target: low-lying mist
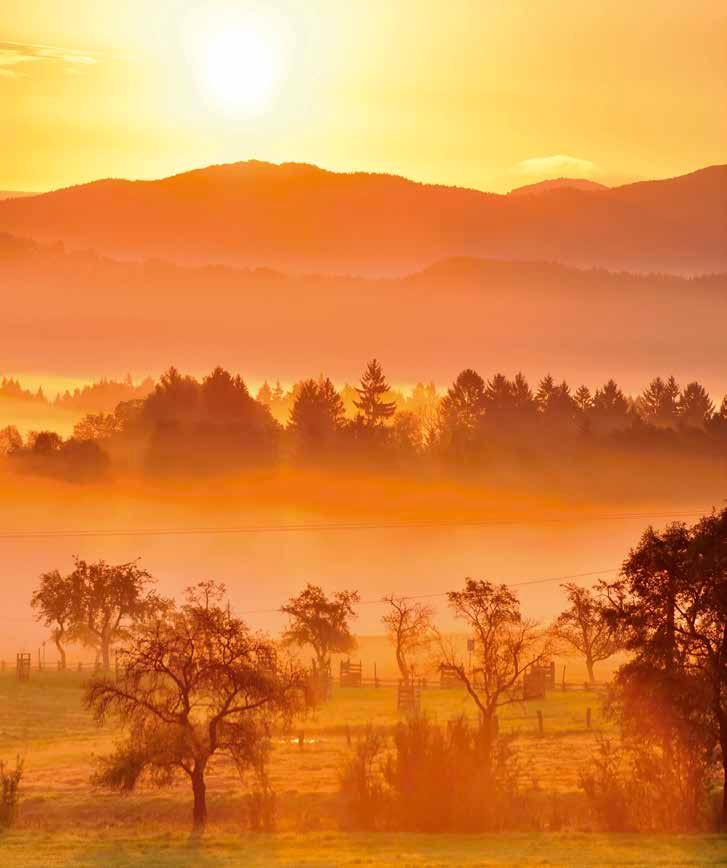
x=266, y=534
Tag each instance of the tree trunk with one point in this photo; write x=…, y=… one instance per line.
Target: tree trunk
x=61, y=651
x=106, y=651
x=589, y=666
x=199, y=788
x=401, y=663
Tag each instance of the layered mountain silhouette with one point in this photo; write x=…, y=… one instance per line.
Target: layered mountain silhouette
x=104, y=315
x=557, y=184
x=301, y=218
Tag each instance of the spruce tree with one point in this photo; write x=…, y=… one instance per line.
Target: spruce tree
x=373, y=409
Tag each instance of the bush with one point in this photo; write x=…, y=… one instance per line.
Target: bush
x=364, y=802
x=262, y=810
x=10, y=793
x=261, y=802
x=631, y=786
x=458, y=780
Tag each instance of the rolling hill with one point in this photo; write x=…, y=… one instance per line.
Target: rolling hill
x=85, y=314
x=557, y=184
x=301, y=218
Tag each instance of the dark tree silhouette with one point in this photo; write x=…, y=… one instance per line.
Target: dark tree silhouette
x=671, y=604
x=658, y=403
x=610, y=407
x=585, y=627
x=462, y=411
x=196, y=683
x=317, y=416
x=97, y=426
x=695, y=407
x=409, y=626
x=54, y=604
x=175, y=398
x=322, y=622
x=506, y=644
x=374, y=410
x=583, y=399
x=107, y=600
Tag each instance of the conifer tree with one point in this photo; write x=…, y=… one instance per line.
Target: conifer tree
x=374, y=410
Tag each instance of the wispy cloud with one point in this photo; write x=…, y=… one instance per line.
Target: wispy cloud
x=14, y=56
x=557, y=166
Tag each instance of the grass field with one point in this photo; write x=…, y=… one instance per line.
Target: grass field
x=19, y=850
x=64, y=821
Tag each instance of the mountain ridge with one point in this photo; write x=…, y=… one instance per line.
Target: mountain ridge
x=299, y=217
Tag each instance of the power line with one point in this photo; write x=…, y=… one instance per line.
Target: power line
x=345, y=526
x=381, y=601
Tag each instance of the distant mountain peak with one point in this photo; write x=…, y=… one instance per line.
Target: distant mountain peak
x=558, y=184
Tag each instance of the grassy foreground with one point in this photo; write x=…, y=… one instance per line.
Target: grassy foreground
x=44, y=721
x=334, y=849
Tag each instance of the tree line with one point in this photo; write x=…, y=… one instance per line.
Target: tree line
x=193, y=681
x=215, y=424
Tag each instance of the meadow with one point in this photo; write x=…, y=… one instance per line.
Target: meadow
x=65, y=821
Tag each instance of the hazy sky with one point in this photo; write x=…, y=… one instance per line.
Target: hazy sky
x=483, y=93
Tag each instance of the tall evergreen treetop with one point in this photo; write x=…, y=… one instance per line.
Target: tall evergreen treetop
x=371, y=391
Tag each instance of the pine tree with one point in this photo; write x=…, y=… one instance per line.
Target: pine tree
x=546, y=387
x=373, y=409
x=522, y=393
x=695, y=406
x=583, y=399
x=658, y=403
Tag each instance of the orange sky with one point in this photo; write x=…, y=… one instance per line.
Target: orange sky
x=483, y=93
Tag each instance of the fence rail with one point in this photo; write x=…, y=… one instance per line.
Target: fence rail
x=358, y=679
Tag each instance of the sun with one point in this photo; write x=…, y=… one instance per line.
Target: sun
x=241, y=69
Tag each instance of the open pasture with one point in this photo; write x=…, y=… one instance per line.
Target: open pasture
x=65, y=821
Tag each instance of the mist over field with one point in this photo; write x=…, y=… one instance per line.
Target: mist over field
x=412, y=538
x=363, y=433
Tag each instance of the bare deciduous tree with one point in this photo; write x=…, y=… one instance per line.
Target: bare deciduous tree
x=196, y=683
x=585, y=627
x=409, y=625
x=506, y=645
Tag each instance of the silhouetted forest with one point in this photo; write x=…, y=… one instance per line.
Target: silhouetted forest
x=478, y=426
x=104, y=395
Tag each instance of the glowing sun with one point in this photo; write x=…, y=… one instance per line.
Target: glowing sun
x=241, y=69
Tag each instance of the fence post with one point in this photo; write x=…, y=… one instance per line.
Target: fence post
x=376, y=677
x=348, y=734
x=563, y=679
x=588, y=718
x=540, y=722
x=301, y=739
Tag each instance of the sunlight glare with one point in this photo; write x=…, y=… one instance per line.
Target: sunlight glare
x=241, y=70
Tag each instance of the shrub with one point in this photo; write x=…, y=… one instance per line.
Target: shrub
x=433, y=780
x=632, y=786
x=262, y=802
x=362, y=786
x=10, y=792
